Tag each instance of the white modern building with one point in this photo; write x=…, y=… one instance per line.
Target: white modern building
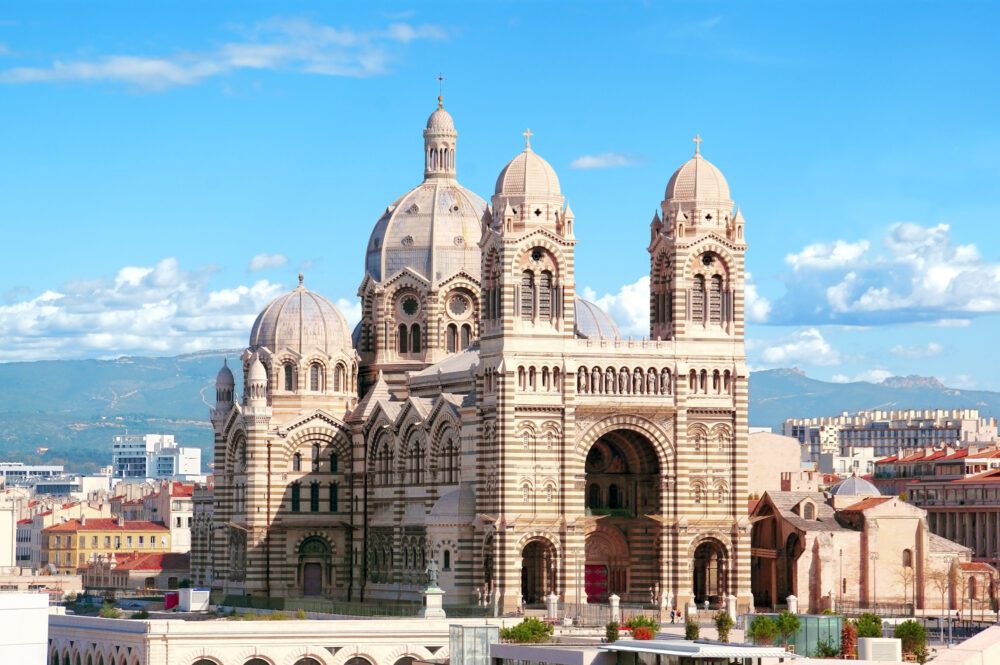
x=142, y=456
x=16, y=474
x=887, y=432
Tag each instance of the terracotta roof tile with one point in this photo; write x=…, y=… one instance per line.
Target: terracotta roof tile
x=107, y=524
x=154, y=561
x=865, y=504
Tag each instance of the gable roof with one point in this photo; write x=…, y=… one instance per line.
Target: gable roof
x=865, y=504
x=152, y=561
x=785, y=502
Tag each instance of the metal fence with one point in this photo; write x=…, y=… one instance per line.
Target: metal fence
x=884, y=610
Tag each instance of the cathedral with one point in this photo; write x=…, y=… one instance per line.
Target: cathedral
x=485, y=420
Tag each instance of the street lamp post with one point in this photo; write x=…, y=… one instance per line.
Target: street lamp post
x=873, y=557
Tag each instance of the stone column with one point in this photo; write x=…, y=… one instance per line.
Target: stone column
x=552, y=606
x=616, y=613
x=793, y=604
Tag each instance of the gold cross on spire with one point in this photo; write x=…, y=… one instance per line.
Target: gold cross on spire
x=697, y=144
x=527, y=138
x=440, y=80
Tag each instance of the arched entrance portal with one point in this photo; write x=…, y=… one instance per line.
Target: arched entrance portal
x=538, y=570
x=315, y=572
x=622, y=487
x=710, y=573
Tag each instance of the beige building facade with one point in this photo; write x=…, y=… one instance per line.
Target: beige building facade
x=485, y=418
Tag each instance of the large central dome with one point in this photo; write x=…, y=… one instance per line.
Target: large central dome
x=434, y=228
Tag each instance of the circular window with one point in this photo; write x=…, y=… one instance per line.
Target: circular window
x=410, y=305
x=458, y=305
x=707, y=259
x=537, y=254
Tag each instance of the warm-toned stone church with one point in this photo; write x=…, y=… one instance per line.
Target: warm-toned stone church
x=483, y=416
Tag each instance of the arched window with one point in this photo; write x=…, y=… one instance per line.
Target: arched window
x=594, y=496
x=314, y=497
x=527, y=295
x=334, y=497
x=525, y=492
x=416, y=460
x=907, y=558
x=315, y=457
x=973, y=591
x=452, y=341
x=715, y=300
x=296, y=497
x=550, y=492
x=545, y=295
x=716, y=382
x=466, y=336
x=693, y=381
x=334, y=463
x=314, y=377
x=614, y=498
x=808, y=511
x=339, y=383
x=698, y=299
x=289, y=376
x=297, y=462
x=404, y=339
x=447, y=560
x=415, y=338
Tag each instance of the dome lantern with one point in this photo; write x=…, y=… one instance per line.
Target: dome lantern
x=440, y=139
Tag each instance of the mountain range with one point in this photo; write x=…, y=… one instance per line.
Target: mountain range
x=66, y=411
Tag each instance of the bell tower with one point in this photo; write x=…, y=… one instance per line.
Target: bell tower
x=696, y=257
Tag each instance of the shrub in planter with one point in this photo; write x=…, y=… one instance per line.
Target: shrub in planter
x=848, y=639
x=611, y=631
x=691, y=629
x=869, y=625
x=825, y=649
x=912, y=634
x=643, y=633
x=641, y=621
x=530, y=631
x=723, y=624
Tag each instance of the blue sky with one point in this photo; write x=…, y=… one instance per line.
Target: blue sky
x=167, y=171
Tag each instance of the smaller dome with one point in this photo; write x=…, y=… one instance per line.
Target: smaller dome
x=301, y=320
x=854, y=486
x=440, y=121
x=528, y=174
x=225, y=379
x=698, y=180
x=257, y=372
x=592, y=322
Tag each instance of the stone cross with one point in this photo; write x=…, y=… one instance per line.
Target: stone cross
x=697, y=144
x=527, y=138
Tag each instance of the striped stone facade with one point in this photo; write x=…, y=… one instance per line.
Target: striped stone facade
x=538, y=458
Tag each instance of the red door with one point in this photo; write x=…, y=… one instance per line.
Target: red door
x=312, y=579
x=595, y=583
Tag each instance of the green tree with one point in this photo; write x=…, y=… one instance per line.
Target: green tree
x=611, y=631
x=529, y=631
x=763, y=630
x=723, y=624
x=912, y=634
x=869, y=624
x=787, y=624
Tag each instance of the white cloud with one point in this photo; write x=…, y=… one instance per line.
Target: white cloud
x=757, y=308
x=828, y=255
x=351, y=309
x=161, y=309
x=629, y=307
x=925, y=351
x=919, y=274
x=869, y=376
x=804, y=347
x=265, y=261
x=605, y=160
x=277, y=44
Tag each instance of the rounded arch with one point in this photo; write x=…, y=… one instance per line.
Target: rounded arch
x=333, y=437
x=710, y=561
x=694, y=265
x=539, y=566
x=660, y=440
x=207, y=660
x=536, y=241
